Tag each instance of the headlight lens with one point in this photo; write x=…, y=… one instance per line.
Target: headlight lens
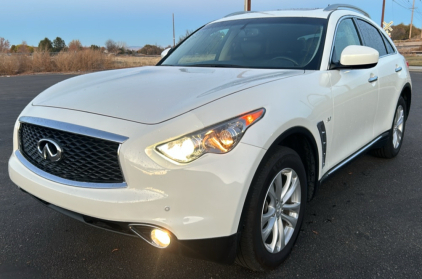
x=218, y=139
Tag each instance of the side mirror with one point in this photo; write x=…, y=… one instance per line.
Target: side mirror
x=164, y=53
x=357, y=57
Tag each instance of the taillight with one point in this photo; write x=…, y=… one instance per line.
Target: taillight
x=407, y=63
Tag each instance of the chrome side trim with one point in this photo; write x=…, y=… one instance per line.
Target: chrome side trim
x=353, y=156
x=72, y=128
x=63, y=181
x=335, y=7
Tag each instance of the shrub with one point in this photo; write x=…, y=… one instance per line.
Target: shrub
x=74, y=45
x=84, y=60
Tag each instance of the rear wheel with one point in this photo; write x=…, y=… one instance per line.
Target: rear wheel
x=396, y=134
x=274, y=212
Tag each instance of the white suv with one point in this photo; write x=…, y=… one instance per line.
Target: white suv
x=215, y=151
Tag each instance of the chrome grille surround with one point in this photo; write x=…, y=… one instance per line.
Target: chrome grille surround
x=90, y=157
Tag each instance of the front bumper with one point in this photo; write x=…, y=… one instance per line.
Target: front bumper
x=205, y=197
x=221, y=249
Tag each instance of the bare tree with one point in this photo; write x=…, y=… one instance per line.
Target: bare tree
x=122, y=46
x=75, y=45
x=187, y=34
x=4, y=45
x=111, y=46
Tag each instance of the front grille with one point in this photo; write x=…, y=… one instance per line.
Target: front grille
x=84, y=158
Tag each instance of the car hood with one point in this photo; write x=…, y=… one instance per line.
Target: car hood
x=152, y=95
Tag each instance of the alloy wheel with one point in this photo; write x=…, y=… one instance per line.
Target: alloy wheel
x=280, y=211
x=398, y=127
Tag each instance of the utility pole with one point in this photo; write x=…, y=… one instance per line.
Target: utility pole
x=247, y=5
x=174, y=37
x=382, y=17
x=411, y=21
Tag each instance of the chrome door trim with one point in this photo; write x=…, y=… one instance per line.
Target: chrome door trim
x=72, y=128
x=63, y=181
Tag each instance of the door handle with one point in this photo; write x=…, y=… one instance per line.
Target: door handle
x=398, y=69
x=373, y=79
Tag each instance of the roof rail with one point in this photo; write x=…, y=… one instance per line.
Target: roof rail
x=239, y=13
x=351, y=7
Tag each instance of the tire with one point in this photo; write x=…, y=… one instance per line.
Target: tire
x=394, y=142
x=253, y=252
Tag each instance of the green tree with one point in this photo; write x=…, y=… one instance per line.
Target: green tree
x=58, y=44
x=45, y=45
x=95, y=47
x=13, y=48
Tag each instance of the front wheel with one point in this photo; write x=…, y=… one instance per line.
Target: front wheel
x=274, y=211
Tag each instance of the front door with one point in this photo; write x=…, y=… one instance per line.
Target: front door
x=355, y=99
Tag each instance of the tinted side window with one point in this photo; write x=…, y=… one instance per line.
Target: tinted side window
x=390, y=49
x=371, y=37
x=346, y=36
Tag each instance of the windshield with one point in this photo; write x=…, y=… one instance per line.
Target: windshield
x=270, y=43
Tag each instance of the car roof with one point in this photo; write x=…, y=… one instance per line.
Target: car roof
x=312, y=13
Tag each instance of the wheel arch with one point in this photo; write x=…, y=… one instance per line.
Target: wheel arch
x=309, y=153
x=406, y=93
x=301, y=140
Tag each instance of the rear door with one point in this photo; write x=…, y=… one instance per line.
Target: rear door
x=355, y=98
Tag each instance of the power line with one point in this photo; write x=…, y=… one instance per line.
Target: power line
x=400, y=5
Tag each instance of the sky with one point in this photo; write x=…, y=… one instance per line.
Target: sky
x=140, y=22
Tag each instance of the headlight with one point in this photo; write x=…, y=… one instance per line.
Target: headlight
x=219, y=139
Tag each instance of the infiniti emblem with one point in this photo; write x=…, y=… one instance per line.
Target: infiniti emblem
x=49, y=150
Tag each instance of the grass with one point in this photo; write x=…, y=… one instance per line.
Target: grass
x=64, y=62
x=133, y=61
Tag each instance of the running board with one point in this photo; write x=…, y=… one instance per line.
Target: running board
x=354, y=156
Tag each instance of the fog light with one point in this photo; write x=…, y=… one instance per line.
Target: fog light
x=160, y=238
